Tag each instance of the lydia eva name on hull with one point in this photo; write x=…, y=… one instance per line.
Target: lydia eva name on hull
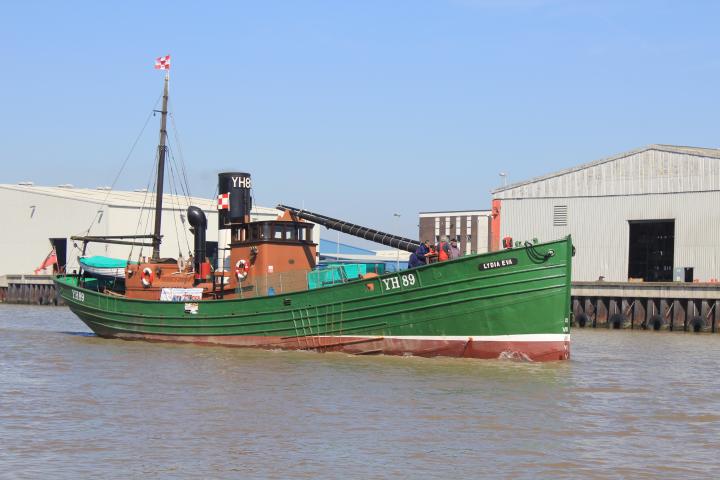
x=498, y=264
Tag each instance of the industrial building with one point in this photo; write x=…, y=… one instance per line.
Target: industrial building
x=471, y=228
x=37, y=219
x=645, y=229
x=649, y=215
x=335, y=252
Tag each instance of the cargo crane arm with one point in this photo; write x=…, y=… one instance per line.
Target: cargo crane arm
x=387, y=239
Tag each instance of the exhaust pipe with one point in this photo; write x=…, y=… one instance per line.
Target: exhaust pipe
x=198, y=221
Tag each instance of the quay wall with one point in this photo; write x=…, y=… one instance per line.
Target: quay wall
x=29, y=289
x=693, y=307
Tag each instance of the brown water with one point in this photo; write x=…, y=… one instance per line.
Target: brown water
x=628, y=405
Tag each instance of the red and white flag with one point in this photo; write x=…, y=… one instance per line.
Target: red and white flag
x=162, y=63
x=49, y=261
x=224, y=201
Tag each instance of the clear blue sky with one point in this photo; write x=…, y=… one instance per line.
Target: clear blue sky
x=355, y=109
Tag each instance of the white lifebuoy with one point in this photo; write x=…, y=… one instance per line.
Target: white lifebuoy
x=147, y=277
x=241, y=269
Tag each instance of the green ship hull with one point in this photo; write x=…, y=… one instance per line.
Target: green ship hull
x=511, y=303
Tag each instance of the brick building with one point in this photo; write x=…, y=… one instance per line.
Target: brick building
x=470, y=227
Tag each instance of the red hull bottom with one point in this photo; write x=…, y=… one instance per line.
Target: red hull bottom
x=537, y=348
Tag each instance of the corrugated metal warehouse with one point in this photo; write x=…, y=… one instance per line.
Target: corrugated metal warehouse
x=651, y=214
x=37, y=218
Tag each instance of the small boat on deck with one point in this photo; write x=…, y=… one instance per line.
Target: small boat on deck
x=104, y=267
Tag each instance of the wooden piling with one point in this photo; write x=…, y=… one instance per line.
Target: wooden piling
x=677, y=307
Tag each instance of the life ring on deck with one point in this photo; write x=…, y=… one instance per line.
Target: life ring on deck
x=147, y=277
x=241, y=269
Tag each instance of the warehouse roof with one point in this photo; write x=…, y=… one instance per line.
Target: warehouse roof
x=697, y=151
x=119, y=198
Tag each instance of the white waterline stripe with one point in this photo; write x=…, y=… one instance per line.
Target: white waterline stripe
x=531, y=337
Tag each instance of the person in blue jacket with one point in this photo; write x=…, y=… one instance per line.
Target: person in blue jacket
x=418, y=258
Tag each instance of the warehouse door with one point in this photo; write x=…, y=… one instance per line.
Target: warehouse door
x=652, y=248
x=60, y=246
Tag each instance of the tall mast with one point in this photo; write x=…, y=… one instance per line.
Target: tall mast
x=162, y=149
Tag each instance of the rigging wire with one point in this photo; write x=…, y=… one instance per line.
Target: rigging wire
x=177, y=165
x=174, y=204
x=150, y=210
x=176, y=134
x=122, y=167
x=183, y=208
x=174, y=199
x=181, y=181
x=153, y=175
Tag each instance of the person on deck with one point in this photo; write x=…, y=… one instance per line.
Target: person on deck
x=454, y=249
x=422, y=251
x=431, y=257
x=414, y=261
x=443, y=249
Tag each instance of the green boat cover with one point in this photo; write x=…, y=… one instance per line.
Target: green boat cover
x=98, y=261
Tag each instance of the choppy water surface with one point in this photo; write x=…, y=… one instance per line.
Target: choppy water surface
x=628, y=405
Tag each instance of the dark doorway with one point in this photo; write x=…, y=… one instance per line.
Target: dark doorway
x=60, y=246
x=211, y=250
x=652, y=248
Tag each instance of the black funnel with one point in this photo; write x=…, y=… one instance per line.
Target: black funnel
x=234, y=200
x=198, y=221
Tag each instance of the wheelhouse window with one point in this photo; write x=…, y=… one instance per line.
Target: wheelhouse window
x=278, y=232
x=274, y=231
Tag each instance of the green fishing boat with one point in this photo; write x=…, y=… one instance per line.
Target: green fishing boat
x=512, y=303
